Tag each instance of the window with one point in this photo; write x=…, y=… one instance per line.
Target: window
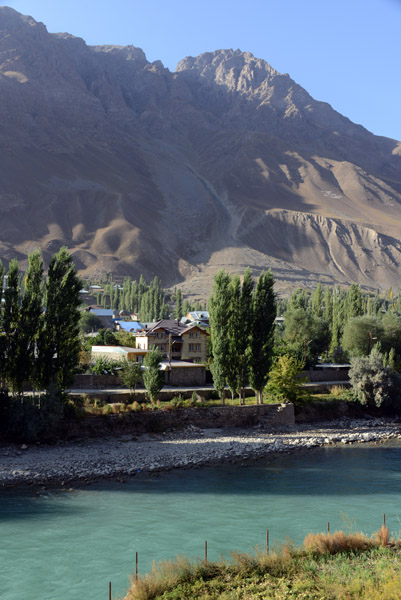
x=194, y=347
x=162, y=347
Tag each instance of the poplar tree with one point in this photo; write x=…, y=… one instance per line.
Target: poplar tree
x=10, y=322
x=29, y=327
x=59, y=347
x=234, y=334
x=185, y=307
x=328, y=305
x=317, y=301
x=152, y=375
x=178, y=305
x=219, y=312
x=244, y=332
x=2, y=334
x=262, y=333
x=354, y=301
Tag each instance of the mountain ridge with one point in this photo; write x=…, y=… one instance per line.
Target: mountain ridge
x=224, y=162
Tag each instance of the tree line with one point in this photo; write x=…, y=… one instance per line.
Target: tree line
x=150, y=301
x=242, y=317
x=39, y=324
x=337, y=323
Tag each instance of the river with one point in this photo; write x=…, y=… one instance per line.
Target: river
x=67, y=545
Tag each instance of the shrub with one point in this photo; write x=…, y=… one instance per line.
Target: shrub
x=131, y=375
x=177, y=401
x=326, y=543
x=284, y=383
x=105, y=366
x=135, y=406
x=31, y=419
x=372, y=382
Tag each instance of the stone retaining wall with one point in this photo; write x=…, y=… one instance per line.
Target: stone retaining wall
x=161, y=420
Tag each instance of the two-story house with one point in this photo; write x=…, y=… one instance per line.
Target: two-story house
x=175, y=340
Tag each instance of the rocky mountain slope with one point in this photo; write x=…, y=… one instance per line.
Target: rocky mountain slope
x=224, y=163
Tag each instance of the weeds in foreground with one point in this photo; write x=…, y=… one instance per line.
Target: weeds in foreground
x=335, y=566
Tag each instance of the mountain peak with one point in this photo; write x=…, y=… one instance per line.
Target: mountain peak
x=11, y=19
x=237, y=70
x=223, y=163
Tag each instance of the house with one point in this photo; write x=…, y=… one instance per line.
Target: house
x=104, y=314
x=175, y=340
x=118, y=353
x=131, y=326
x=200, y=316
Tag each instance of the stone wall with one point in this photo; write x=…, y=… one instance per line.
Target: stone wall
x=161, y=420
x=326, y=374
x=83, y=382
x=182, y=376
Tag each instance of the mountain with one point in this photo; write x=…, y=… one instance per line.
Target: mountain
x=223, y=163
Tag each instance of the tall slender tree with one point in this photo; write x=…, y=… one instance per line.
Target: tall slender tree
x=59, y=347
x=11, y=316
x=178, y=304
x=29, y=326
x=234, y=335
x=245, y=324
x=219, y=313
x=262, y=333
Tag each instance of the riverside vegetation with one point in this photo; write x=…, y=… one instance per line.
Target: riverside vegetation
x=327, y=567
x=42, y=343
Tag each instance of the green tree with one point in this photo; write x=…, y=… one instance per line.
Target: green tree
x=178, y=305
x=24, y=367
x=284, y=383
x=244, y=324
x=306, y=336
x=317, y=301
x=152, y=375
x=372, y=382
x=89, y=322
x=361, y=334
x=105, y=337
x=10, y=323
x=131, y=375
x=186, y=307
x=60, y=345
x=124, y=338
x=262, y=333
x=234, y=332
x=219, y=314
x=328, y=305
x=354, y=302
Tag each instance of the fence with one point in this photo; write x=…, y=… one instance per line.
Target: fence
x=206, y=549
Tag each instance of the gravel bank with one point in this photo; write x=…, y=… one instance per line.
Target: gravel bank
x=88, y=460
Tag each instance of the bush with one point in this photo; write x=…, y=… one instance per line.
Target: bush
x=178, y=401
x=373, y=383
x=284, y=383
x=105, y=366
x=322, y=543
x=31, y=419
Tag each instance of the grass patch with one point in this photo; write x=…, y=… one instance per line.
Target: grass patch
x=336, y=566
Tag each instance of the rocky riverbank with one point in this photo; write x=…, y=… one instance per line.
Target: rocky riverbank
x=81, y=461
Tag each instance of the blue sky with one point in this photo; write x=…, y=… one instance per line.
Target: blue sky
x=345, y=52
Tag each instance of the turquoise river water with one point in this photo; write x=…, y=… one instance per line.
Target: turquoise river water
x=60, y=545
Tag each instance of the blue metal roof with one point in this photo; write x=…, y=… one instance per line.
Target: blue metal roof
x=129, y=325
